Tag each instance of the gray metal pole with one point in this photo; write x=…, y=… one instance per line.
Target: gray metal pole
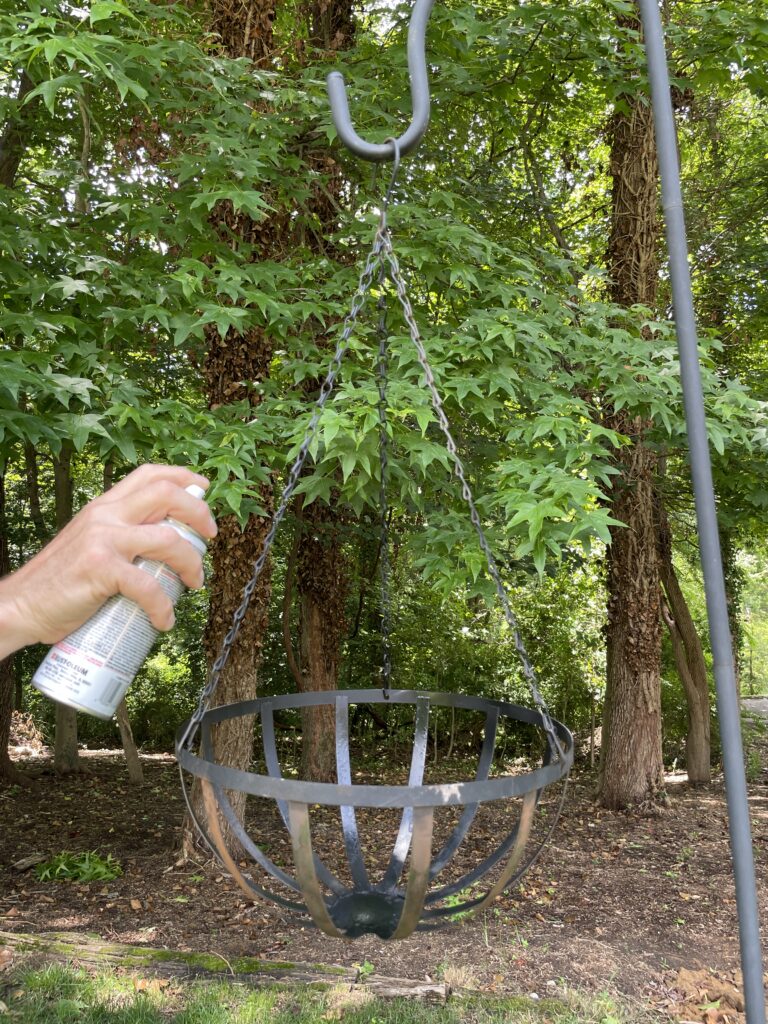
x=709, y=541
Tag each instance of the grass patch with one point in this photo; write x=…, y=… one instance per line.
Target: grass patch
x=58, y=994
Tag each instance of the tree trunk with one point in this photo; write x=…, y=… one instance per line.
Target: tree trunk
x=33, y=492
x=321, y=579
x=631, y=768
x=18, y=701
x=321, y=572
x=689, y=659
x=12, y=146
x=245, y=30
x=8, y=772
x=734, y=585
x=13, y=141
x=132, y=760
x=66, y=759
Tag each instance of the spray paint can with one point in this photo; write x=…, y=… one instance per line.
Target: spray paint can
x=91, y=669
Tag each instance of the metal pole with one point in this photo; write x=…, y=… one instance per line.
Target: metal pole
x=706, y=517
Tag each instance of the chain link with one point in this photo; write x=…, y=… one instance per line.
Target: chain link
x=363, y=287
x=437, y=404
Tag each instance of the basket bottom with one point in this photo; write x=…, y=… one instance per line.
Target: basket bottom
x=366, y=913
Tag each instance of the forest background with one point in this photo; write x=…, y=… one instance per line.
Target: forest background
x=180, y=239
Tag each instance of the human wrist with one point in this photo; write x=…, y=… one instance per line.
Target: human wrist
x=16, y=630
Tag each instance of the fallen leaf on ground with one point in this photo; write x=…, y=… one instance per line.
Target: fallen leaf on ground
x=151, y=984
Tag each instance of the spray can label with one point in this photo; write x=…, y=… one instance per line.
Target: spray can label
x=92, y=668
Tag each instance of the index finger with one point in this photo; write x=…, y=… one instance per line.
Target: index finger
x=150, y=473
x=163, y=499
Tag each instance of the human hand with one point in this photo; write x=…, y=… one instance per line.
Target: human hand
x=91, y=559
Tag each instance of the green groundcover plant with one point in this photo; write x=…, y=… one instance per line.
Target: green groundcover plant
x=79, y=867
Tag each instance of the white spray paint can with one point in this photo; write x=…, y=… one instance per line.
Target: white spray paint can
x=91, y=669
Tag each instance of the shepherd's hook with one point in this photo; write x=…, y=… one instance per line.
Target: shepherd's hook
x=417, y=71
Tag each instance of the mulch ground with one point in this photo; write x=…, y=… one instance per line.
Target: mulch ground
x=642, y=905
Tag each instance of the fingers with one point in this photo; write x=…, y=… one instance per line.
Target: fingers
x=161, y=499
x=164, y=544
x=150, y=473
x=139, y=586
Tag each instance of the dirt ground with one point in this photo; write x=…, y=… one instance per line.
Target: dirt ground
x=618, y=902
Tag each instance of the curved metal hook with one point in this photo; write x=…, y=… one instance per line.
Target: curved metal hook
x=417, y=71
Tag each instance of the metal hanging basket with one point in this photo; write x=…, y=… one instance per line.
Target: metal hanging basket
x=365, y=901
x=394, y=899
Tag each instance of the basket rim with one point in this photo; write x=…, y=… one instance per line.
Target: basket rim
x=381, y=796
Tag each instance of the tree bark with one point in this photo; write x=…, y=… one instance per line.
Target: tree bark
x=12, y=146
x=66, y=759
x=18, y=701
x=322, y=587
x=290, y=570
x=321, y=573
x=631, y=767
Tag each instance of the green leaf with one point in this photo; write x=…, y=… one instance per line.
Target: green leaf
x=348, y=464
x=103, y=9
x=69, y=286
x=49, y=89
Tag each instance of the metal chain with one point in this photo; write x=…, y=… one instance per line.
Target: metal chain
x=384, y=566
x=363, y=287
x=437, y=405
x=382, y=247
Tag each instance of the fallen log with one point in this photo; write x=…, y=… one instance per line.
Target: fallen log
x=88, y=950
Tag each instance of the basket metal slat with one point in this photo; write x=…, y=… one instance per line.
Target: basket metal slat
x=235, y=825
x=273, y=767
x=415, y=777
x=348, y=816
x=249, y=887
x=304, y=858
x=469, y=812
x=418, y=876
